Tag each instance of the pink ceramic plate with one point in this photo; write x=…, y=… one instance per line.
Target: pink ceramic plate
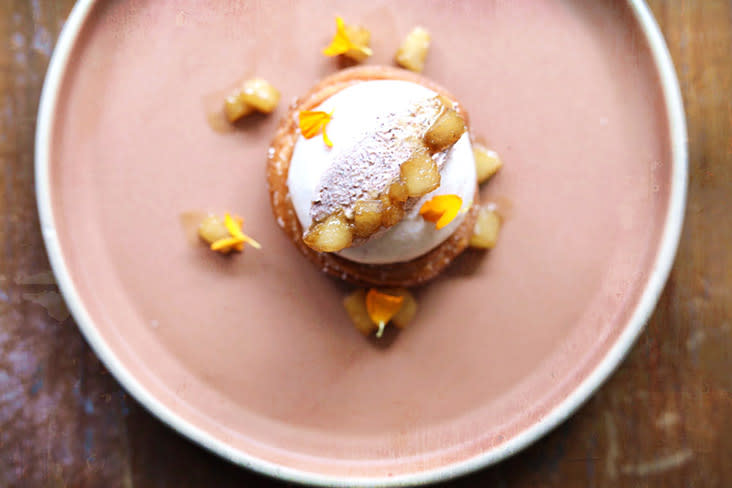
x=253, y=356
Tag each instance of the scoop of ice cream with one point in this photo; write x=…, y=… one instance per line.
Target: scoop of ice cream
x=374, y=128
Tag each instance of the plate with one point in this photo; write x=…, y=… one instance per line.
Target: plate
x=253, y=356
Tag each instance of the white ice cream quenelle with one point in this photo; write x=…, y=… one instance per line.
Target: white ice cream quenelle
x=368, y=150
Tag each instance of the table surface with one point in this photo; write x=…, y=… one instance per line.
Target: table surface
x=664, y=418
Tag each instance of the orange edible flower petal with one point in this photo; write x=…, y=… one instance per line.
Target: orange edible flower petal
x=326, y=139
x=342, y=43
x=441, y=209
x=238, y=238
x=312, y=122
x=225, y=245
x=381, y=307
x=233, y=225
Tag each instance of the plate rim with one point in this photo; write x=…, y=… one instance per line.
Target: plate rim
x=659, y=272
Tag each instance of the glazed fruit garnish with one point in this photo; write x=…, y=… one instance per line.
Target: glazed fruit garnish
x=413, y=51
x=355, y=305
x=441, y=209
x=381, y=307
x=350, y=41
x=485, y=232
x=487, y=162
x=330, y=235
x=367, y=217
x=260, y=94
x=235, y=108
x=420, y=174
x=212, y=228
x=313, y=122
x=445, y=131
x=408, y=309
x=225, y=235
x=255, y=94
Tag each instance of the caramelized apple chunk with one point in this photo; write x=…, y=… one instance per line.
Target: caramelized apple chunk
x=485, y=232
x=355, y=305
x=360, y=38
x=445, y=131
x=408, y=310
x=367, y=217
x=392, y=215
x=260, y=94
x=330, y=235
x=255, y=94
x=487, y=162
x=420, y=174
x=413, y=51
x=212, y=228
x=398, y=192
x=235, y=108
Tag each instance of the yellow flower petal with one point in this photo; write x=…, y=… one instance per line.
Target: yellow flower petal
x=226, y=244
x=252, y=242
x=313, y=122
x=343, y=42
x=326, y=139
x=340, y=42
x=381, y=307
x=441, y=209
x=237, y=239
x=233, y=227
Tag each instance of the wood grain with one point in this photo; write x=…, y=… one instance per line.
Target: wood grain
x=663, y=420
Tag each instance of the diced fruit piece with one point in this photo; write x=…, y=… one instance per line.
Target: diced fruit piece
x=485, y=232
x=360, y=37
x=330, y=235
x=255, y=94
x=212, y=228
x=260, y=94
x=398, y=192
x=392, y=215
x=487, y=162
x=413, y=51
x=235, y=108
x=420, y=174
x=446, y=102
x=366, y=217
x=409, y=307
x=446, y=130
x=355, y=305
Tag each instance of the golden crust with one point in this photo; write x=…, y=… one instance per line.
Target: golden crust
x=409, y=273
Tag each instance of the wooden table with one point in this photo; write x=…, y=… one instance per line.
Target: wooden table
x=663, y=420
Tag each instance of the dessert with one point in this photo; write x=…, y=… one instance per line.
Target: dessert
x=373, y=175
x=360, y=201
